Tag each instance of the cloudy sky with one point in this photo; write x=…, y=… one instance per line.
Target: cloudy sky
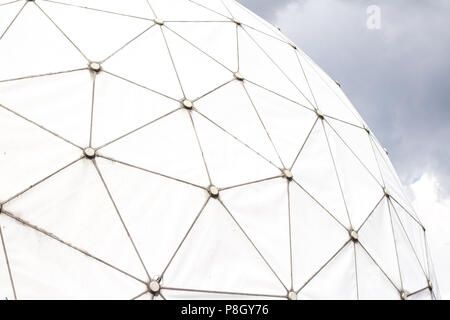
x=398, y=77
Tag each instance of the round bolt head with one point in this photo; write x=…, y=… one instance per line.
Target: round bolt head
x=288, y=174
x=89, y=153
x=367, y=129
x=239, y=76
x=386, y=150
x=95, y=66
x=293, y=45
x=188, y=104
x=154, y=286
x=386, y=192
x=237, y=22
x=339, y=85
x=319, y=113
x=279, y=29
x=354, y=235
x=213, y=191
x=292, y=295
x=403, y=295
x=158, y=21
x=430, y=285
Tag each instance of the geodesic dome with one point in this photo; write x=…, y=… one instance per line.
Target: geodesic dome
x=188, y=150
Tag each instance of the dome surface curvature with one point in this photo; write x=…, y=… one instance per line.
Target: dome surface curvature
x=156, y=149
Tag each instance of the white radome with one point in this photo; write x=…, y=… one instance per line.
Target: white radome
x=188, y=150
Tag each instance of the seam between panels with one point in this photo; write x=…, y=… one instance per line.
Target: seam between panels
x=151, y=8
x=139, y=295
x=307, y=81
x=276, y=65
x=60, y=30
x=40, y=126
x=263, y=125
x=209, y=9
x=354, y=154
x=337, y=175
x=410, y=243
x=356, y=270
x=13, y=20
x=128, y=43
x=237, y=139
x=281, y=96
x=42, y=75
x=223, y=292
x=54, y=237
x=290, y=235
x=185, y=237
x=200, y=147
x=379, y=267
x=7, y=262
x=238, y=50
x=251, y=182
x=370, y=214
x=304, y=143
x=10, y=2
x=172, y=60
x=137, y=129
x=322, y=267
x=212, y=91
x=395, y=244
x=150, y=172
x=252, y=243
x=226, y=8
x=40, y=181
x=198, y=49
x=94, y=75
x=98, y=10
x=120, y=217
x=316, y=201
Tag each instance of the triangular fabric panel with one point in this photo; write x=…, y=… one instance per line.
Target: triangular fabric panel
x=217, y=39
x=199, y=74
x=100, y=34
x=147, y=72
x=29, y=154
x=8, y=12
x=220, y=249
x=214, y=5
x=256, y=66
x=287, y=123
x=285, y=57
x=372, y=283
x=74, y=206
x=262, y=211
x=358, y=140
x=26, y=51
x=319, y=177
x=157, y=211
x=413, y=276
x=195, y=295
x=45, y=268
x=327, y=286
x=243, y=15
x=60, y=103
x=311, y=224
x=6, y=288
x=121, y=107
x=183, y=10
x=377, y=237
x=415, y=233
x=361, y=190
x=160, y=148
x=232, y=109
x=325, y=97
x=138, y=8
x=229, y=161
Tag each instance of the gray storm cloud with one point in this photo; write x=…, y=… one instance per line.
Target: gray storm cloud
x=398, y=77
